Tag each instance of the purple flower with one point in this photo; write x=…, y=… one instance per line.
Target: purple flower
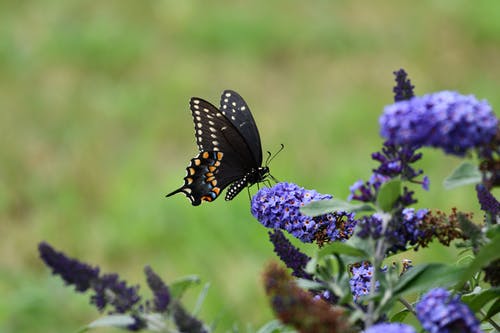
x=72, y=271
x=403, y=229
x=447, y=120
x=395, y=161
x=278, y=207
x=360, y=281
x=391, y=328
x=289, y=254
x=367, y=191
x=487, y=201
x=159, y=288
x=109, y=290
x=440, y=312
x=403, y=89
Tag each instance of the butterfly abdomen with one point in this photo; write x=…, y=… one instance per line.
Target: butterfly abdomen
x=254, y=176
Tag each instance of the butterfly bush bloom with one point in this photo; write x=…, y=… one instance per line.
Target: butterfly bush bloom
x=446, y=119
x=289, y=254
x=391, y=328
x=278, y=207
x=299, y=308
x=440, y=312
x=360, y=282
x=405, y=228
x=487, y=201
x=160, y=290
x=403, y=89
x=72, y=271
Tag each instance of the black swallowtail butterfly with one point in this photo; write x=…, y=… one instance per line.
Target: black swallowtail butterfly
x=230, y=150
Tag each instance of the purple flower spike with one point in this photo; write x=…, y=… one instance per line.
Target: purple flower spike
x=440, y=312
x=109, y=290
x=403, y=89
x=391, y=328
x=289, y=254
x=278, y=207
x=487, y=201
x=446, y=120
x=72, y=271
x=159, y=289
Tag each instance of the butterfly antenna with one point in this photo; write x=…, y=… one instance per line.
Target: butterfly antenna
x=271, y=157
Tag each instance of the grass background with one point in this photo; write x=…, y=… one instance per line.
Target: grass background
x=96, y=130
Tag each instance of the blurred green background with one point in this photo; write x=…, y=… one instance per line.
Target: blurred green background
x=95, y=130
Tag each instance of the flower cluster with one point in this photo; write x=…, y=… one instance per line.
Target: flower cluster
x=160, y=290
x=403, y=89
x=278, y=207
x=360, y=281
x=110, y=291
x=391, y=328
x=299, y=308
x=447, y=120
x=443, y=227
x=402, y=230
x=487, y=201
x=440, y=312
x=72, y=271
x=289, y=254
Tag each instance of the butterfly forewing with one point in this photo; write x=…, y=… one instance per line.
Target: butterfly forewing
x=236, y=110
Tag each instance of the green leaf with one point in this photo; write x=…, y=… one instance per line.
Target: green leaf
x=424, y=277
x=274, y=326
x=309, y=285
x=179, y=287
x=399, y=316
x=466, y=173
x=201, y=299
x=388, y=193
x=121, y=321
x=322, y=207
x=493, y=310
x=488, y=253
x=477, y=300
x=341, y=248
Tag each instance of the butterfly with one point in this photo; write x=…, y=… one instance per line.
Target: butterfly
x=230, y=150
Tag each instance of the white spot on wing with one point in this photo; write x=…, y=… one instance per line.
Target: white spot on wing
x=243, y=108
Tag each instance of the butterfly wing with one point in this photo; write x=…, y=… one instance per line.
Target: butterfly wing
x=236, y=110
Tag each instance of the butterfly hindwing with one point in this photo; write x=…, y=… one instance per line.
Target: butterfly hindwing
x=201, y=182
